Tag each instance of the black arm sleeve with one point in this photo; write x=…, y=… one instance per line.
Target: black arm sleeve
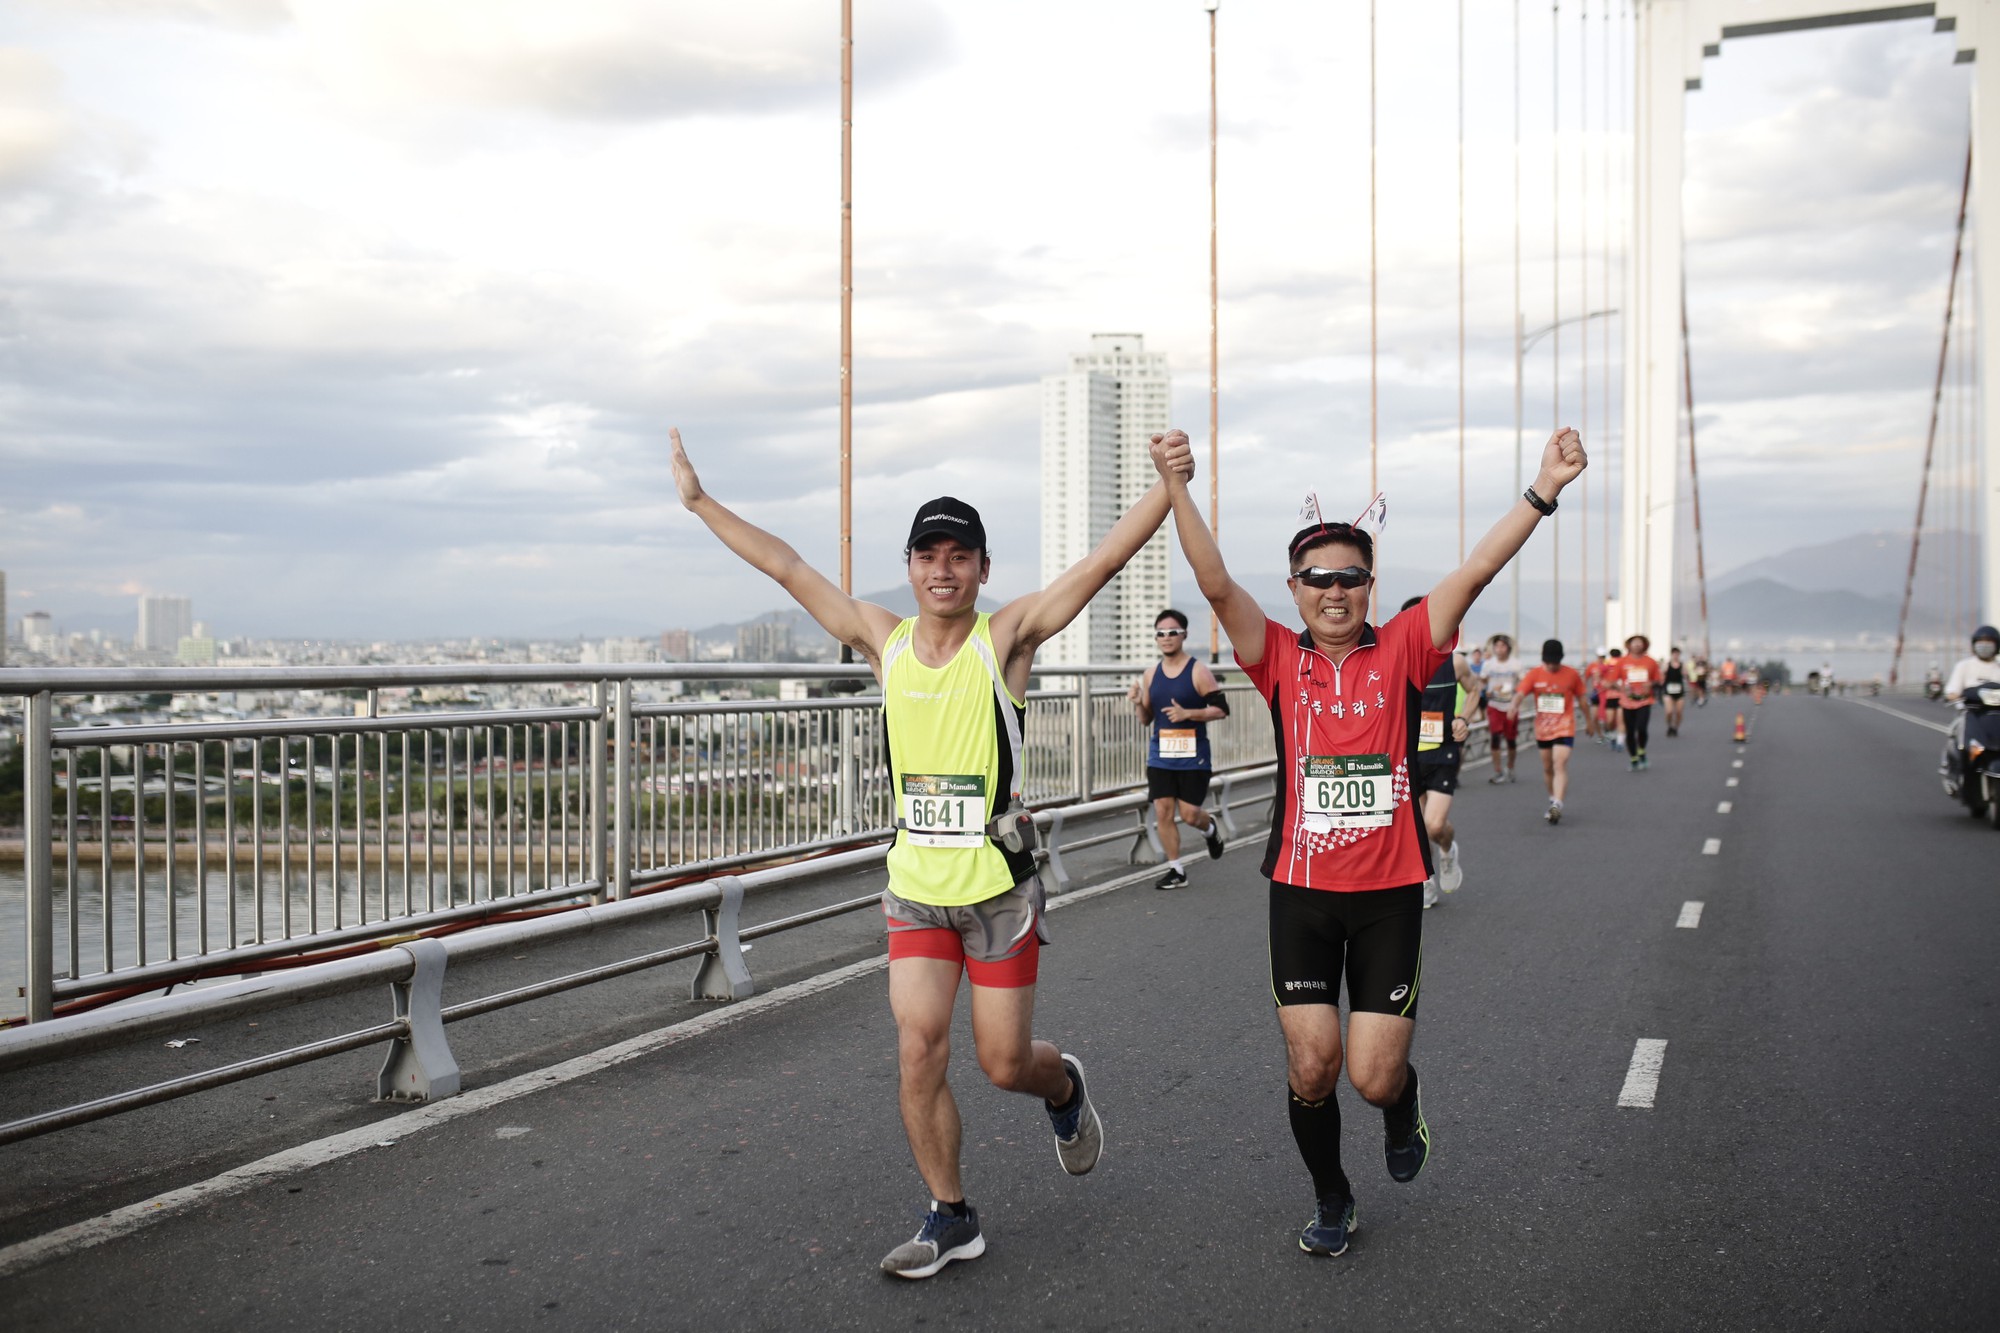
x=1217, y=700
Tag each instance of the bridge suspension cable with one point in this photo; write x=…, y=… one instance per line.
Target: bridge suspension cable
x=1694, y=470
x=1514, y=611
x=1583, y=285
x=1930, y=436
x=1555, y=290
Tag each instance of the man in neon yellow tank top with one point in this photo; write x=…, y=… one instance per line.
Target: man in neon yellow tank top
x=962, y=895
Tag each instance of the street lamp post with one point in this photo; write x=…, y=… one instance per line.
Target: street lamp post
x=1523, y=340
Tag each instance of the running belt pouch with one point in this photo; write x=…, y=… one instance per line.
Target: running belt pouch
x=1015, y=830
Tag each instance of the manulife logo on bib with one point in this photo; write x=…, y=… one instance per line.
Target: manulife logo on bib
x=1348, y=766
x=944, y=809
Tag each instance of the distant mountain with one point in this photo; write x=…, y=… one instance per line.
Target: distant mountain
x=1868, y=564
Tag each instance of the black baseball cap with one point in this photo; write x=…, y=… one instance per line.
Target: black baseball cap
x=948, y=516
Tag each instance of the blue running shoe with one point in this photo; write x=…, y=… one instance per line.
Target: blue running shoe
x=1079, y=1133
x=942, y=1239
x=1406, y=1140
x=1333, y=1222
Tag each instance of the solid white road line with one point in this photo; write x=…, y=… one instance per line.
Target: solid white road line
x=1897, y=712
x=1690, y=916
x=1642, y=1079
x=1712, y=847
x=1732, y=782
x=387, y=1133
x=1722, y=808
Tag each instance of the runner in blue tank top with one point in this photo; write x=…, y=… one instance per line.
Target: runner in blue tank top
x=1178, y=697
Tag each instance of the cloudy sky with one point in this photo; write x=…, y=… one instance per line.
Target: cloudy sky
x=367, y=318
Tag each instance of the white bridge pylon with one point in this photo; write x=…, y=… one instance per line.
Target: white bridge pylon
x=1673, y=38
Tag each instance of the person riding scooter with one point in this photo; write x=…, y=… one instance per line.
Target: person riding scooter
x=1971, y=765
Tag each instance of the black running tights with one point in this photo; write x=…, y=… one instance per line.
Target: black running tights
x=1636, y=720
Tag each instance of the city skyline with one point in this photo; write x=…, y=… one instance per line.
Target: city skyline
x=469, y=302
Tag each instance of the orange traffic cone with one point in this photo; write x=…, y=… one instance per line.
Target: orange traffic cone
x=1741, y=735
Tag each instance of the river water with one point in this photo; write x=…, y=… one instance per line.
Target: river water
x=178, y=932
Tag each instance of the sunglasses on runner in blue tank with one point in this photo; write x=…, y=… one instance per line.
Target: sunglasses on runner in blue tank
x=1354, y=576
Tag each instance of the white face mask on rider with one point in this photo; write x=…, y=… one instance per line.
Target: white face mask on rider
x=1985, y=649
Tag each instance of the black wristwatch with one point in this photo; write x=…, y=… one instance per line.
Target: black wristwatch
x=1542, y=507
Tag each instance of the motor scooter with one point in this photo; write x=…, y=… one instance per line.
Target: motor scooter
x=1971, y=763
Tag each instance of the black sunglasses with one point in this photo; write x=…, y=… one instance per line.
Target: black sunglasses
x=1354, y=576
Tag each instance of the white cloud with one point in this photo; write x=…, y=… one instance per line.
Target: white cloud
x=411, y=293
x=612, y=60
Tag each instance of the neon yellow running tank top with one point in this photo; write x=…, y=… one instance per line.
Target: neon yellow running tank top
x=954, y=765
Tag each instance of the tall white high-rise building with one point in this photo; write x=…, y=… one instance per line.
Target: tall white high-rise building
x=1097, y=419
x=163, y=623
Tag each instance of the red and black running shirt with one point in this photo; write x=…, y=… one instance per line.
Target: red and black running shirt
x=1346, y=737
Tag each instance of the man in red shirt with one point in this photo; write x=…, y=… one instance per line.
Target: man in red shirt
x=1638, y=677
x=1348, y=857
x=1553, y=693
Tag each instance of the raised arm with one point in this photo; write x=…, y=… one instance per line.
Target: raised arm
x=862, y=626
x=1242, y=619
x=1563, y=461
x=1030, y=621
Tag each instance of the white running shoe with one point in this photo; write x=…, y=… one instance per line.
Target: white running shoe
x=1431, y=898
x=1450, y=873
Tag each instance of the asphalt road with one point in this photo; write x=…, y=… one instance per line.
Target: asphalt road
x=1818, y=1154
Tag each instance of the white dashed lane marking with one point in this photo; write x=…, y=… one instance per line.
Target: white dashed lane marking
x=1722, y=807
x=1642, y=1078
x=1713, y=847
x=1736, y=763
x=1690, y=916
x=1732, y=782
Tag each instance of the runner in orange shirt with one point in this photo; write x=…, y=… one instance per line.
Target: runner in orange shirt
x=1554, y=693
x=1610, y=715
x=1638, y=676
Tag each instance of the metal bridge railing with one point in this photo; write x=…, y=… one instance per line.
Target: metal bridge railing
x=159, y=853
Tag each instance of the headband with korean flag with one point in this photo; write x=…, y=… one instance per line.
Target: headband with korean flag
x=1373, y=519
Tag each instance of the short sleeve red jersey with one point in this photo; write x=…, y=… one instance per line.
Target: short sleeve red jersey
x=1346, y=737
x=1553, y=697
x=1637, y=675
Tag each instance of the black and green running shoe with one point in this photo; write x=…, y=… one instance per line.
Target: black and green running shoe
x=1333, y=1222
x=1406, y=1140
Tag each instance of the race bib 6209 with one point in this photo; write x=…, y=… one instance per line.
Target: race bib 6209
x=1350, y=791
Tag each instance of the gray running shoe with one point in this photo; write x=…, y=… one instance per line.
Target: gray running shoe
x=1079, y=1133
x=1431, y=896
x=942, y=1239
x=1450, y=873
